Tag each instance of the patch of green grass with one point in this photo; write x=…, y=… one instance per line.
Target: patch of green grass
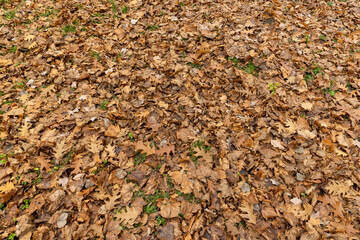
x=114, y=5
x=169, y=181
x=2, y=93
x=152, y=199
x=131, y=136
x=309, y=76
x=104, y=105
x=69, y=28
x=157, y=168
x=139, y=158
x=307, y=38
x=160, y=220
x=235, y=61
x=13, y=49
x=95, y=55
x=249, y=68
x=330, y=3
x=3, y=159
x=10, y=15
x=11, y=236
x=124, y=9
x=19, y=85
x=26, y=204
x=273, y=87
x=187, y=196
x=100, y=15
x=350, y=87
x=153, y=27
x=150, y=209
x=194, y=65
x=322, y=37
x=138, y=194
x=330, y=90
x=183, y=54
x=2, y=206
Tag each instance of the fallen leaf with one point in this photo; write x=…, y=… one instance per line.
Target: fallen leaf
x=277, y=144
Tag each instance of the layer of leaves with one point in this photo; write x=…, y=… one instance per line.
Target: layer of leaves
x=166, y=119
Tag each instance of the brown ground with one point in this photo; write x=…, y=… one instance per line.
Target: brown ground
x=179, y=120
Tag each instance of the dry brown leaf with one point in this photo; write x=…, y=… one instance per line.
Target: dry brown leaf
x=339, y=188
x=167, y=149
x=5, y=62
x=307, y=105
x=185, y=134
x=170, y=210
x=152, y=123
x=94, y=145
x=59, y=150
x=111, y=150
x=145, y=148
x=291, y=126
x=127, y=216
x=7, y=187
x=24, y=130
x=248, y=214
x=44, y=164
x=277, y=144
x=181, y=179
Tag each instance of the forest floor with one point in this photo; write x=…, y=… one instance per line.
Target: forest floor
x=179, y=120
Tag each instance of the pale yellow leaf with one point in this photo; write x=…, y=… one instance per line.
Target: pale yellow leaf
x=111, y=150
x=59, y=149
x=127, y=216
x=292, y=126
x=24, y=129
x=7, y=187
x=5, y=62
x=248, y=214
x=339, y=189
x=277, y=144
x=307, y=105
x=95, y=145
x=29, y=37
x=306, y=134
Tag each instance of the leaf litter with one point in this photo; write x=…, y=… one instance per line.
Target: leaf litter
x=179, y=120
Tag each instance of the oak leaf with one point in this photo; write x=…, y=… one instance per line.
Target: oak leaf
x=307, y=105
x=146, y=148
x=6, y=187
x=167, y=149
x=127, y=216
x=248, y=214
x=95, y=145
x=339, y=189
x=60, y=150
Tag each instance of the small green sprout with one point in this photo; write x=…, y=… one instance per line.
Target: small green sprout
x=131, y=136
x=26, y=204
x=104, y=105
x=273, y=87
